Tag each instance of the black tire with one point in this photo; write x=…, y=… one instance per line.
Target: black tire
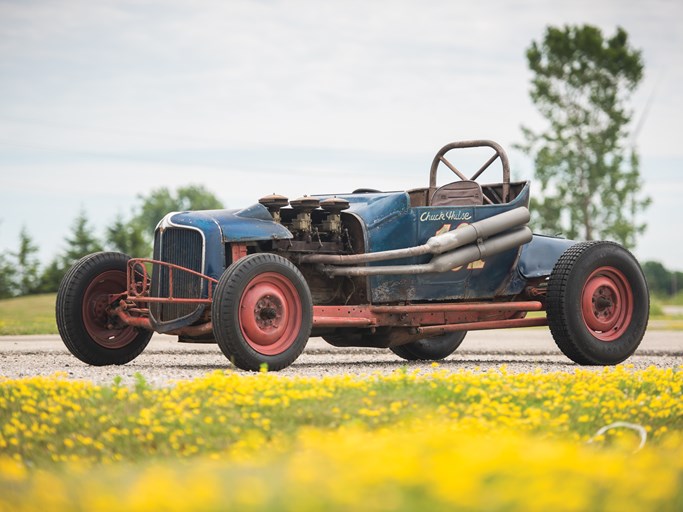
x=598, y=303
x=430, y=349
x=81, y=315
x=262, y=312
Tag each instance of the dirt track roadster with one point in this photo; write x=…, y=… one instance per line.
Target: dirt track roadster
x=411, y=271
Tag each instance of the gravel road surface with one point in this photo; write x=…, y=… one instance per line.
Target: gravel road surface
x=166, y=360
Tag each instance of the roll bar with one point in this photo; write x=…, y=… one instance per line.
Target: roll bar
x=499, y=153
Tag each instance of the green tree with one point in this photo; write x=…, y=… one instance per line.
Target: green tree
x=128, y=238
x=7, y=276
x=7, y=283
x=27, y=265
x=588, y=171
x=135, y=236
x=661, y=280
x=52, y=275
x=161, y=201
x=82, y=240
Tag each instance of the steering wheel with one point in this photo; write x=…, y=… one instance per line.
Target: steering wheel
x=499, y=153
x=366, y=191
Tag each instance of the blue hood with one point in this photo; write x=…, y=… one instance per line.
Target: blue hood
x=247, y=224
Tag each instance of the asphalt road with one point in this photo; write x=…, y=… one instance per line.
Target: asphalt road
x=166, y=360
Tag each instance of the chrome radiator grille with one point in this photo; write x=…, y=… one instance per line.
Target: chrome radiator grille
x=181, y=247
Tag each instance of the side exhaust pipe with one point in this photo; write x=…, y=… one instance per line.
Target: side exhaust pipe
x=437, y=244
x=444, y=262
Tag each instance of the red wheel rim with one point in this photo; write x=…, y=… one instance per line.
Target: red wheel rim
x=270, y=313
x=607, y=303
x=102, y=328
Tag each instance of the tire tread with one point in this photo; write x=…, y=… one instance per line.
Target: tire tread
x=227, y=295
x=558, y=306
x=69, y=317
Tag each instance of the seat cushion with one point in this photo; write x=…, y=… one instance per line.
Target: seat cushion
x=458, y=193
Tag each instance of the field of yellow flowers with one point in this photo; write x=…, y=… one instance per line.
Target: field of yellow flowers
x=404, y=441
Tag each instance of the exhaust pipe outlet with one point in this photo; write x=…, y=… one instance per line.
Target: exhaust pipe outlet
x=437, y=244
x=482, y=229
x=444, y=262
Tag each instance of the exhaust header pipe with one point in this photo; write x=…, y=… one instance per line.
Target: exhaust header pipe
x=444, y=262
x=437, y=244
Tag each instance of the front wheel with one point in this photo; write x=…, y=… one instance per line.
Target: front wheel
x=262, y=312
x=84, y=320
x=598, y=303
x=430, y=349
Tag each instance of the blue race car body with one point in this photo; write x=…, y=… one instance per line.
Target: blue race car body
x=410, y=270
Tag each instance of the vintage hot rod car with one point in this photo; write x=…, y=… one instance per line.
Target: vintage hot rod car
x=411, y=271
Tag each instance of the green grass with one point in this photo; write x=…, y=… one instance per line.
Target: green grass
x=665, y=300
x=34, y=314
x=676, y=300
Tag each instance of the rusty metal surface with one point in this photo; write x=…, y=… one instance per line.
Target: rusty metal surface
x=421, y=316
x=466, y=307
x=136, y=321
x=237, y=251
x=143, y=322
x=336, y=321
x=302, y=247
x=477, y=326
x=194, y=330
x=138, y=290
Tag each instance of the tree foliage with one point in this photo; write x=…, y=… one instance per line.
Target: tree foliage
x=662, y=281
x=161, y=201
x=131, y=236
x=20, y=270
x=82, y=240
x=7, y=284
x=27, y=265
x=134, y=237
x=52, y=275
x=588, y=170
x=128, y=238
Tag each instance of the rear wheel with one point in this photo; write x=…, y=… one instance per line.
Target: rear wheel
x=598, y=303
x=262, y=312
x=83, y=313
x=430, y=349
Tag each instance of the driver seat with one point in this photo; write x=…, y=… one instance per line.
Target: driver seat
x=458, y=193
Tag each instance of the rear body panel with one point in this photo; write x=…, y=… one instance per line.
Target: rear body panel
x=390, y=223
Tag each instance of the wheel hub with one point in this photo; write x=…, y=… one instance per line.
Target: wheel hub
x=603, y=302
x=270, y=313
x=96, y=318
x=607, y=303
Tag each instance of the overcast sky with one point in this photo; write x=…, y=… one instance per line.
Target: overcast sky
x=102, y=101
